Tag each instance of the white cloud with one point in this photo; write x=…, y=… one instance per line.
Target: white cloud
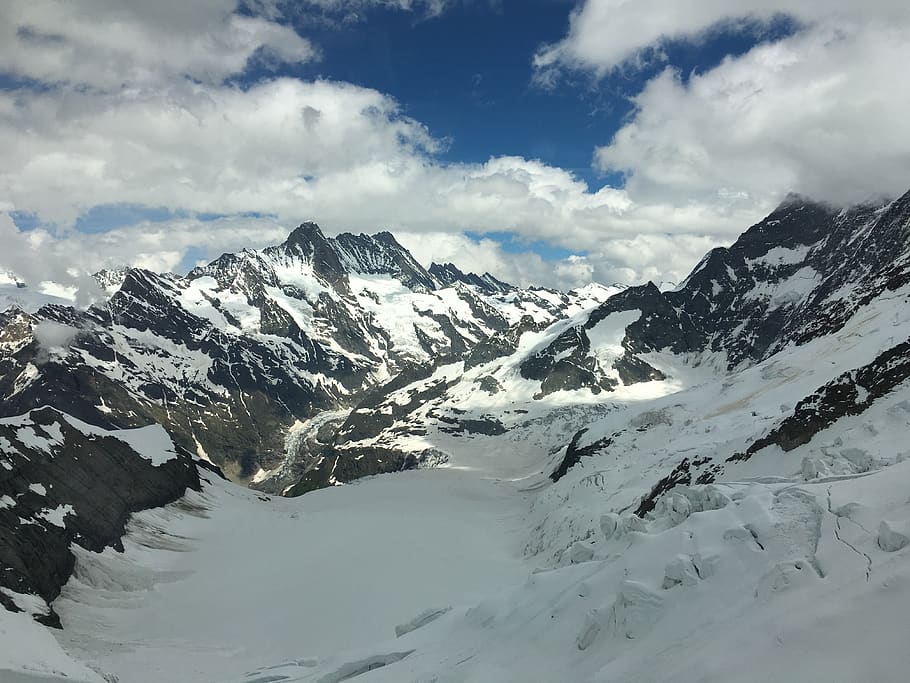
x=337, y=153
x=162, y=247
x=106, y=44
x=197, y=147
x=705, y=158
x=52, y=338
x=44, y=260
x=818, y=113
x=605, y=34
x=524, y=268
x=36, y=256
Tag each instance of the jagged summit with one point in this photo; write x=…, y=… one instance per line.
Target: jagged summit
x=382, y=254
x=333, y=259
x=111, y=278
x=264, y=337
x=449, y=273
x=794, y=223
x=792, y=277
x=306, y=232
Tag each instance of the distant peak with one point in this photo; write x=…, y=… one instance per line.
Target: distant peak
x=795, y=198
x=445, y=267
x=306, y=232
x=385, y=236
x=449, y=273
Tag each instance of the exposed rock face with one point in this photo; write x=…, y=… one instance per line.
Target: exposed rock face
x=64, y=482
x=382, y=255
x=449, y=274
x=574, y=453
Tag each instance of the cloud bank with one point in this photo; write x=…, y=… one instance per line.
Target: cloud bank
x=822, y=111
x=139, y=103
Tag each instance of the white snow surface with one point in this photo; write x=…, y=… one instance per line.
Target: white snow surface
x=30, y=654
x=769, y=574
x=223, y=582
x=151, y=442
x=606, y=337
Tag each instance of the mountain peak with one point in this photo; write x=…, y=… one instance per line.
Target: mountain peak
x=387, y=237
x=307, y=233
x=382, y=254
x=449, y=273
x=794, y=199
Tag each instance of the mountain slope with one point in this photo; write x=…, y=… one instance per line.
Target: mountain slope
x=65, y=482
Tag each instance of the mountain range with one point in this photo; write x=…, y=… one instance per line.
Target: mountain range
x=722, y=449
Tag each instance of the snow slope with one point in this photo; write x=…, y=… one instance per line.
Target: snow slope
x=29, y=654
x=776, y=571
x=765, y=575
x=229, y=581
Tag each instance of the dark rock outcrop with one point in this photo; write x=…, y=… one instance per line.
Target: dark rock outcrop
x=851, y=393
x=574, y=453
x=64, y=483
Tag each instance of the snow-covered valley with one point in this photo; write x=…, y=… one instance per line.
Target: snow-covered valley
x=227, y=582
x=766, y=576
x=791, y=566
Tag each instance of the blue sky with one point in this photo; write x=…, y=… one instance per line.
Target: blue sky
x=467, y=74
x=544, y=140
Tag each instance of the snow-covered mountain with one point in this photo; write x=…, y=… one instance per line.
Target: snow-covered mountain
x=799, y=276
x=230, y=357
x=704, y=483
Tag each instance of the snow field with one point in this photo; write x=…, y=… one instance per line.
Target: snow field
x=225, y=582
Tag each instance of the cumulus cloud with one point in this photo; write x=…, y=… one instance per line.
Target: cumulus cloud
x=143, y=44
x=213, y=148
x=35, y=257
x=53, y=338
x=705, y=156
x=605, y=34
x=817, y=113
x=38, y=258
x=661, y=258
x=523, y=268
x=334, y=152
